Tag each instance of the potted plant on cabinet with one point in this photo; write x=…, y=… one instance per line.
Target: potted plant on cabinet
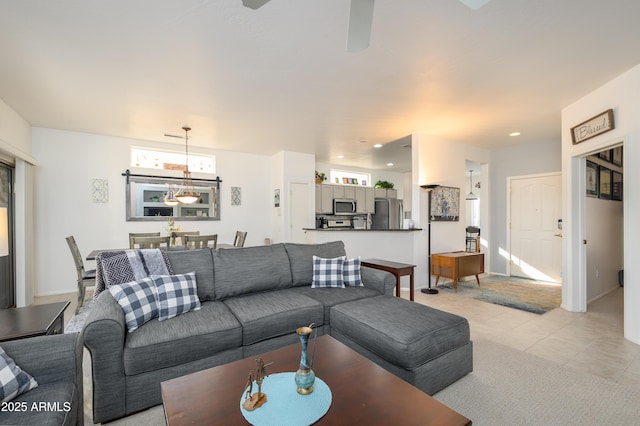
x=320, y=177
x=383, y=184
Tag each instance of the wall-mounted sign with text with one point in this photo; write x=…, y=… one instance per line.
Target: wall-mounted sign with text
x=595, y=126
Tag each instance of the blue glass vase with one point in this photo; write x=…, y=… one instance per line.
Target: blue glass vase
x=305, y=376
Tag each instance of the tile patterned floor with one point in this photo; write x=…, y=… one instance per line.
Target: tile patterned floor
x=591, y=341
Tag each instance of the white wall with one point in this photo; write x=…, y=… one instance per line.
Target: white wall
x=619, y=94
x=68, y=163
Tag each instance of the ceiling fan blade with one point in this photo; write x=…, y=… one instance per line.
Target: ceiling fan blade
x=475, y=4
x=360, y=20
x=254, y=4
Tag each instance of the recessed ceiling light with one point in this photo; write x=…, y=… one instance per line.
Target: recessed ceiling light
x=514, y=134
x=340, y=156
x=378, y=145
x=389, y=164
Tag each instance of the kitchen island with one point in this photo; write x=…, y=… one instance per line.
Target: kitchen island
x=395, y=245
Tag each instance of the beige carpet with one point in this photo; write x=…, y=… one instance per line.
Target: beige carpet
x=507, y=387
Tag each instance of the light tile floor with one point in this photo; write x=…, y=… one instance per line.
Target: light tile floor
x=591, y=341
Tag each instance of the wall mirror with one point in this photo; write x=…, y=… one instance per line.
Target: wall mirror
x=145, y=199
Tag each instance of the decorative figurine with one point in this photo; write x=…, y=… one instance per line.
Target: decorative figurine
x=256, y=400
x=305, y=377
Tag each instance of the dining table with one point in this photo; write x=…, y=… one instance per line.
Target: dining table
x=93, y=253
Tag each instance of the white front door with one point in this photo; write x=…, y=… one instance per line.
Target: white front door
x=535, y=239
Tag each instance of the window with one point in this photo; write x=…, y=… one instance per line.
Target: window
x=169, y=160
x=341, y=177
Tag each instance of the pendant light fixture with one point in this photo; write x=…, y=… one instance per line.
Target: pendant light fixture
x=471, y=195
x=170, y=197
x=187, y=194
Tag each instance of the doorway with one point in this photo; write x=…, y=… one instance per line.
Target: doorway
x=535, y=227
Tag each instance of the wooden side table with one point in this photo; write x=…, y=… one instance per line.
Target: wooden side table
x=30, y=321
x=457, y=264
x=396, y=268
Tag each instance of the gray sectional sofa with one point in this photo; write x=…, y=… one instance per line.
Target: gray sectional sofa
x=55, y=362
x=252, y=300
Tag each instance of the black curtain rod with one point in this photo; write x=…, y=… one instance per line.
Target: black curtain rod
x=128, y=174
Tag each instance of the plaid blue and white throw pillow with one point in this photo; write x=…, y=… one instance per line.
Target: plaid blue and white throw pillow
x=327, y=273
x=13, y=380
x=138, y=300
x=177, y=294
x=351, y=273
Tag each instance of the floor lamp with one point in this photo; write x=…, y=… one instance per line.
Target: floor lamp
x=429, y=189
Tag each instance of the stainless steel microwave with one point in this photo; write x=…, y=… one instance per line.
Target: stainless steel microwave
x=344, y=206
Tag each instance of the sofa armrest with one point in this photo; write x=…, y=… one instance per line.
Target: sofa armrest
x=376, y=279
x=54, y=358
x=104, y=336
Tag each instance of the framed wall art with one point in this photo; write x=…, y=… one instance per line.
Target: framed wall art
x=445, y=204
x=616, y=156
x=604, y=183
x=616, y=186
x=592, y=179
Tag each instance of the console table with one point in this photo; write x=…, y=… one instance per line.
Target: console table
x=30, y=321
x=457, y=264
x=396, y=268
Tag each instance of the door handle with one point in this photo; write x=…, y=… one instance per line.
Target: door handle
x=584, y=242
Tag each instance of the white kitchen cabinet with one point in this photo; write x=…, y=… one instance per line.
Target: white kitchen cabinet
x=365, y=200
x=324, y=199
x=340, y=191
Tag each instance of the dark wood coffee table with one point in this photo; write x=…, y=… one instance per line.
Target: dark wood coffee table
x=30, y=321
x=363, y=393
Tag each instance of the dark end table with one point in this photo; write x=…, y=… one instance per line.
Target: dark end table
x=30, y=321
x=396, y=268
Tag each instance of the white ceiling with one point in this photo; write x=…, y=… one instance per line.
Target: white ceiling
x=279, y=78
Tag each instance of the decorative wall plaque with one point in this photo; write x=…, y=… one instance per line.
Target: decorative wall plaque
x=594, y=126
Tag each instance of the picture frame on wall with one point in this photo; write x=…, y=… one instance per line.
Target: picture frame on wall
x=616, y=186
x=604, y=183
x=592, y=179
x=445, y=204
x=616, y=156
x=605, y=155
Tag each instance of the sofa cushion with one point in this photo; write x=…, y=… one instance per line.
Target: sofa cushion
x=249, y=270
x=192, y=336
x=200, y=261
x=274, y=313
x=301, y=258
x=13, y=380
x=138, y=300
x=176, y=295
x=327, y=273
x=330, y=297
x=404, y=333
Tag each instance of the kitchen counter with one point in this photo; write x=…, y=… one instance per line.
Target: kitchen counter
x=361, y=230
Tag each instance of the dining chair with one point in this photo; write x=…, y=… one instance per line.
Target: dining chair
x=141, y=234
x=473, y=239
x=239, y=240
x=86, y=278
x=182, y=234
x=151, y=242
x=200, y=241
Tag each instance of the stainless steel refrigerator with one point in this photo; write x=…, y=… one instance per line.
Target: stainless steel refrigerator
x=388, y=214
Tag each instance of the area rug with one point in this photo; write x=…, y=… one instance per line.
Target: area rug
x=527, y=295
x=77, y=321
